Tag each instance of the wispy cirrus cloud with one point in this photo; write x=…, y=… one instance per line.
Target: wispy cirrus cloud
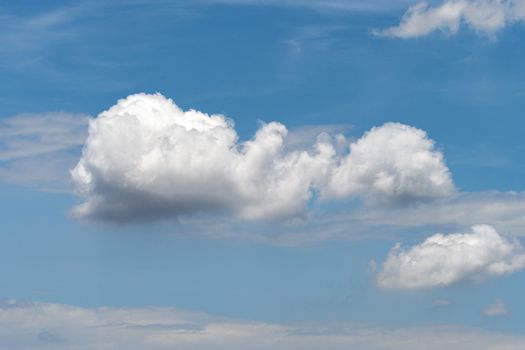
x=323, y=5
x=39, y=149
x=25, y=37
x=34, y=134
x=354, y=221
x=504, y=210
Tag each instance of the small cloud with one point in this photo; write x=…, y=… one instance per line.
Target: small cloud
x=442, y=260
x=496, y=309
x=483, y=16
x=441, y=302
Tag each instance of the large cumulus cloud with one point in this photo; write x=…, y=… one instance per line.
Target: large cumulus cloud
x=145, y=158
x=446, y=259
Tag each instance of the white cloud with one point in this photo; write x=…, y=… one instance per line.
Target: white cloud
x=145, y=158
x=393, y=161
x=484, y=16
x=442, y=260
x=25, y=325
x=496, y=309
x=39, y=149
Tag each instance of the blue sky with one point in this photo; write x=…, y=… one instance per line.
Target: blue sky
x=295, y=241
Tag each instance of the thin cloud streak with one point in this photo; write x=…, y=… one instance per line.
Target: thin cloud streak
x=323, y=5
x=39, y=149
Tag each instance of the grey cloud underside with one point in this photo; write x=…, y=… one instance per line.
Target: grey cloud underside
x=29, y=325
x=146, y=159
x=123, y=205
